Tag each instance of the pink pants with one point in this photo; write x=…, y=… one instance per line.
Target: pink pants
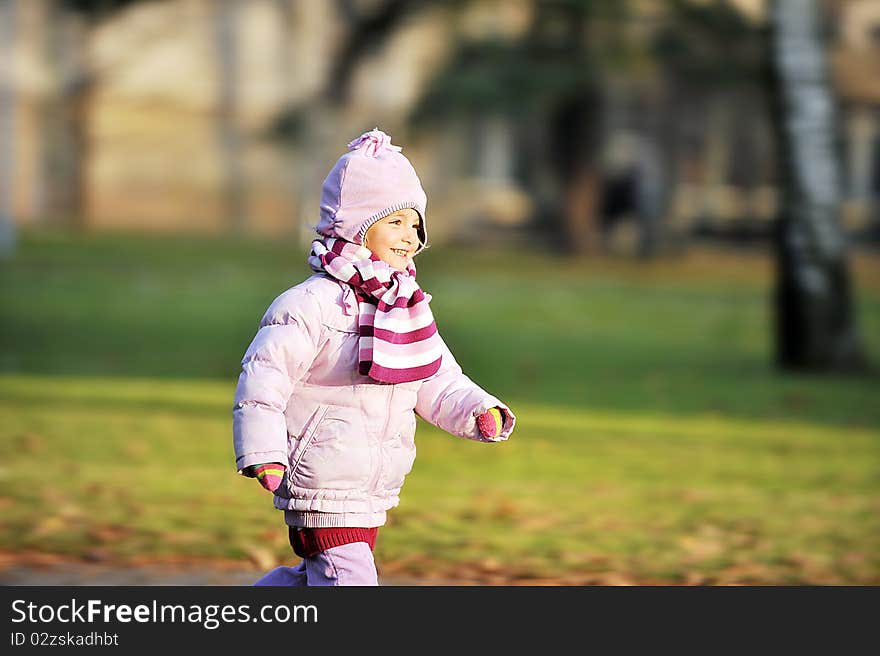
x=349, y=564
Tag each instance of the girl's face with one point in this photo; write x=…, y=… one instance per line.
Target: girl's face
x=394, y=239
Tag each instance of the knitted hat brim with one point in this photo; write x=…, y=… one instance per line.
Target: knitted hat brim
x=422, y=231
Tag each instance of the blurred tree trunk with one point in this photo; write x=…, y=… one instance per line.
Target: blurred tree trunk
x=7, y=127
x=559, y=34
x=76, y=119
x=226, y=14
x=575, y=154
x=286, y=81
x=67, y=117
x=815, y=325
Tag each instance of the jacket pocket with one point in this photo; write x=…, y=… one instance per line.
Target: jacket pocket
x=304, y=440
x=297, y=446
x=337, y=455
x=400, y=454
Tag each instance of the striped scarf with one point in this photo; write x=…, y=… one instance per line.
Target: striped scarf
x=398, y=337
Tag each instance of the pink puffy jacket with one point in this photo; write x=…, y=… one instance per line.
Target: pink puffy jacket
x=347, y=440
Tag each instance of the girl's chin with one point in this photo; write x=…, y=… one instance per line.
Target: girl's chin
x=398, y=263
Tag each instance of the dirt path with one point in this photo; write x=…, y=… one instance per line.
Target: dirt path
x=79, y=574
x=54, y=571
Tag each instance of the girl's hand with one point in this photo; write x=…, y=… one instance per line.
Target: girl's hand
x=491, y=422
x=269, y=475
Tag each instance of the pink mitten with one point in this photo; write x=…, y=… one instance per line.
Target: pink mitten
x=491, y=422
x=269, y=474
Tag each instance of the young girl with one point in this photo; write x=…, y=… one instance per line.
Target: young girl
x=324, y=408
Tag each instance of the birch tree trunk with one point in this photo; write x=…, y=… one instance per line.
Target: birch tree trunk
x=814, y=323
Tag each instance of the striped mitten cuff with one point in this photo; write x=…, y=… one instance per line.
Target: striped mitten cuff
x=491, y=422
x=269, y=475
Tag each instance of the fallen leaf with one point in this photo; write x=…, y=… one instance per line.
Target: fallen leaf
x=262, y=558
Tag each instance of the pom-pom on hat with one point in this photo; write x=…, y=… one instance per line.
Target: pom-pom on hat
x=372, y=180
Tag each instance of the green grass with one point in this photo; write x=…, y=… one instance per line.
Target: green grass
x=655, y=442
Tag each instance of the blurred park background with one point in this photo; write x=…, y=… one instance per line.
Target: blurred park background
x=655, y=232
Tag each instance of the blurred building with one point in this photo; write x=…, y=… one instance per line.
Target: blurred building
x=856, y=64
x=193, y=115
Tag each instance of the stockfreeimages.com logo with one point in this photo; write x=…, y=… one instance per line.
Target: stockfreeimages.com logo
x=209, y=616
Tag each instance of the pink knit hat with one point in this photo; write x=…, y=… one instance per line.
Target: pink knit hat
x=370, y=181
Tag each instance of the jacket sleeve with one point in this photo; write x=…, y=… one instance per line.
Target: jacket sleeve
x=279, y=355
x=452, y=401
